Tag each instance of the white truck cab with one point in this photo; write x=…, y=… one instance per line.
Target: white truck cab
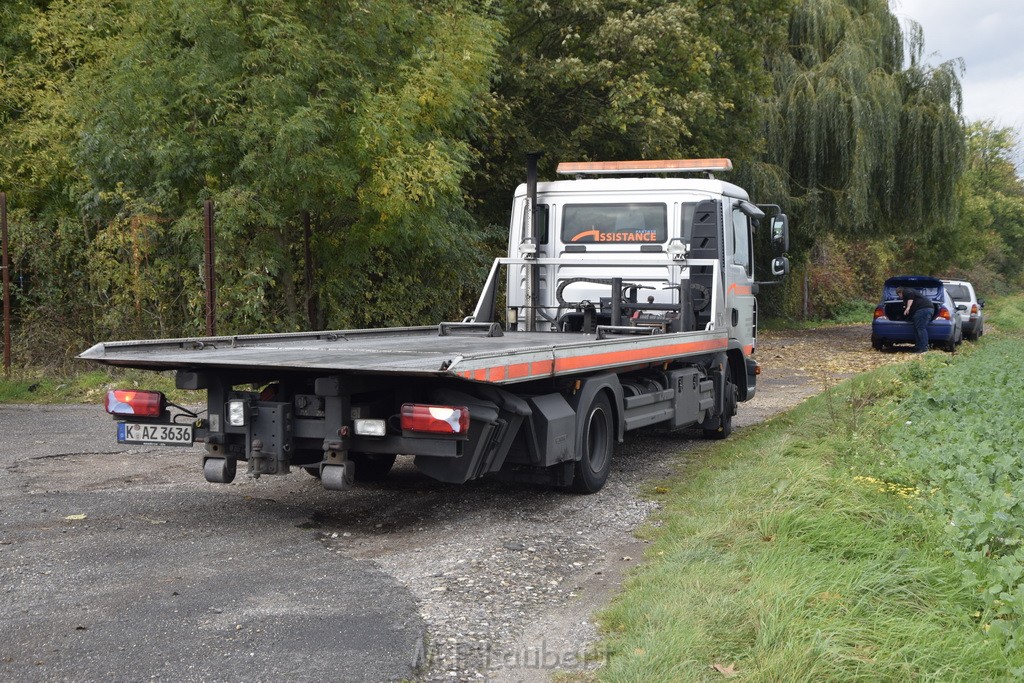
x=652, y=228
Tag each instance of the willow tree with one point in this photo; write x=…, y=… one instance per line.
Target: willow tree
x=864, y=137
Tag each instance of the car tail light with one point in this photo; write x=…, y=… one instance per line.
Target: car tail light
x=943, y=313
x=417, y=417
x=880, y=311
x=138, y=403
x=974, y=310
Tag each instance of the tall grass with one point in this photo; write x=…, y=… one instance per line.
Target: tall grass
x=818, y=546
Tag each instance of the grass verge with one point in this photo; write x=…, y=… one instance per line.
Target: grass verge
x=838, y=542
x=85, y=387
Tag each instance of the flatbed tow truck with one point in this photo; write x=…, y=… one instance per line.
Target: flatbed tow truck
x=629, y=302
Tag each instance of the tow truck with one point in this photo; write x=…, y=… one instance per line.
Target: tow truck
x=626, y=301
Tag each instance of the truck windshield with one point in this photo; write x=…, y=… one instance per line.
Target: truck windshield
x=608, y=223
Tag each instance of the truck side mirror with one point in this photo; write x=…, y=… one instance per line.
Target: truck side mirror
x=780, y=235
x=780, y=266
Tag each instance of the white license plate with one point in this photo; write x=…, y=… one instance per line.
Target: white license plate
x=160, y=435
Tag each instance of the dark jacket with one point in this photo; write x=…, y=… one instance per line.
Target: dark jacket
x=919, y=300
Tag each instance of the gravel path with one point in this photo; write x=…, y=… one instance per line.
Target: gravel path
x=502, y=578
x=508, y=577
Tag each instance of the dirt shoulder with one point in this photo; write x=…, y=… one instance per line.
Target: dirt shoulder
x=796, y=364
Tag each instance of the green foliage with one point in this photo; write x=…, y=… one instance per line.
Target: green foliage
x=864, y=146
x=786, y=555
x=622, y=79
x=86, y=387
x=127, y=114
x=973, y=477
x=989, y=231
x=867, y=147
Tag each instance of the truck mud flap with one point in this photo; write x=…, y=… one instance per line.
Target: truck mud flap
x=494, y=423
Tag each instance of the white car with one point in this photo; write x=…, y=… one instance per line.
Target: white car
x=969, y=307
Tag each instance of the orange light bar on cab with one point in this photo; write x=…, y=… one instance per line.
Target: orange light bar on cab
x=653, y=166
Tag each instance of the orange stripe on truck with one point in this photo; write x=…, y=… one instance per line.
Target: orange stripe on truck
x=633, y=355
x=545, y=368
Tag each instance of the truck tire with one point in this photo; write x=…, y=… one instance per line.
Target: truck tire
x=371, y=466
x=724, y=428
x=596, y=443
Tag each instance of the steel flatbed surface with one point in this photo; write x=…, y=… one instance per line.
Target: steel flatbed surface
x=421, y=351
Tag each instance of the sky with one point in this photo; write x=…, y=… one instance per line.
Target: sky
x=989, y=36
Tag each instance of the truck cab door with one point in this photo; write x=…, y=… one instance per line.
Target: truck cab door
x=706, y=242
x=740, y=303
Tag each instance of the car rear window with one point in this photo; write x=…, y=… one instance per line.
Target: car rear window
x=933, y=293
x=958, y=292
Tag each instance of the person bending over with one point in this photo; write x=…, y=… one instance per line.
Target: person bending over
x=919, y=310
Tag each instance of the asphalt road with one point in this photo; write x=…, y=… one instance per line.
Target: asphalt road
x=124, y=564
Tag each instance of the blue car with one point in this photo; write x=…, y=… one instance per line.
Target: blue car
x=890, y=326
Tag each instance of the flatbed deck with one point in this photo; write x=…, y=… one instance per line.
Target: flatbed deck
x=509, y=358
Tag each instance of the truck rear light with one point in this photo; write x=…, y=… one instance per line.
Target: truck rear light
x=879, y=311
x=417, y=417
x=370, y=427
x=138, y=403
x=943, y=313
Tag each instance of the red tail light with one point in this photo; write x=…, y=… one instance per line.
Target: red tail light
x=417, y=417
x=943, y=313
x=880, y=311
x=138, y=403
x=974, y=309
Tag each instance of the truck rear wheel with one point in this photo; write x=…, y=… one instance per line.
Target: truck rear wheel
x=724, y=427
x=596, y=443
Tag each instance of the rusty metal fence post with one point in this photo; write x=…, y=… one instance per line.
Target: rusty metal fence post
x=5, y=266
x=208, y=270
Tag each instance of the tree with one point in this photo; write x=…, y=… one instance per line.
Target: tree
x=989, y=232
x=860, y=144
x=864, y=139
x=286, y=113
x=621, y=79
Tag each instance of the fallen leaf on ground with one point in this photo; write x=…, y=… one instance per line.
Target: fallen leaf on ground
x=727, y=671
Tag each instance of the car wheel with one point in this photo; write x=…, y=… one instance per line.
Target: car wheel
x=876, y=343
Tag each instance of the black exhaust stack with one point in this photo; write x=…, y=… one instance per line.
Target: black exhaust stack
x=530, y=238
